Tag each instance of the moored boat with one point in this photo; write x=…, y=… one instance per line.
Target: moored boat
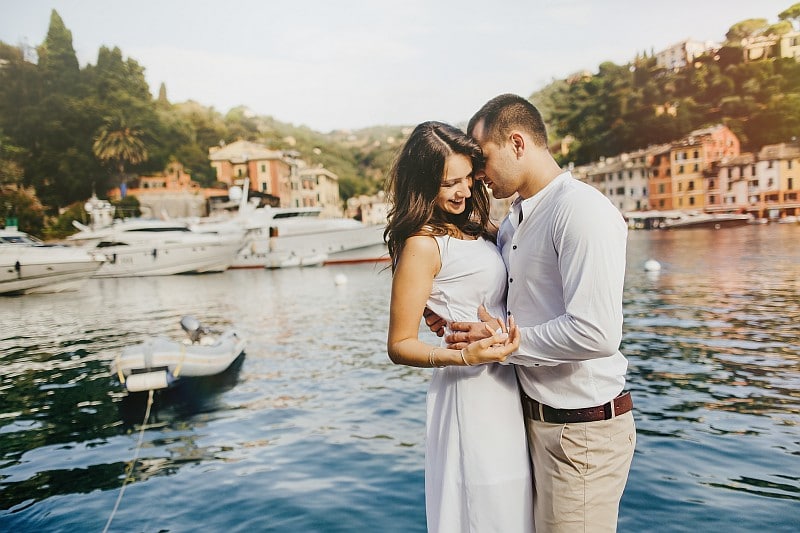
x=275, y=237
x=159, y=362
x=28, y=265
x=706, y=220
x=149, y=247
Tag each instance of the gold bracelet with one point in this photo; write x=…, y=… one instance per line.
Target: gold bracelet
x=432, y=359
x=464, y=358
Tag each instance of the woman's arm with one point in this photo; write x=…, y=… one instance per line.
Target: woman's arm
x=418, y=264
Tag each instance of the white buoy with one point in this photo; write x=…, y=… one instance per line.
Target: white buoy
x=651, y=265
x=340, y=279
x=147, y=381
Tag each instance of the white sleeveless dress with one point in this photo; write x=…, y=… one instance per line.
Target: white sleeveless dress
x=477, y=471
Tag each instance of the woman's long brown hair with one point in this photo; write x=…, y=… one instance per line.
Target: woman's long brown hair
x=414, y=182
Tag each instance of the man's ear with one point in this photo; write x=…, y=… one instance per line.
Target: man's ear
x=517, y=143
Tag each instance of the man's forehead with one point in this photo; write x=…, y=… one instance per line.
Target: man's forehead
x=478, y=132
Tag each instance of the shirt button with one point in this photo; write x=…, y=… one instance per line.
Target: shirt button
x=511, y=280
x=514, y=247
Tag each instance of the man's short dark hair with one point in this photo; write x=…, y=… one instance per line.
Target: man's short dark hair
x=506, y=112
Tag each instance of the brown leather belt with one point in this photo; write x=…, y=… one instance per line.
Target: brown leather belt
x=544, y=413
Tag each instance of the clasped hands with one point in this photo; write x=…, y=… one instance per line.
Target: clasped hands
x=487, y=341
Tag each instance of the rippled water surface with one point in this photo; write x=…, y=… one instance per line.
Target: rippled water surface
x=315, y=430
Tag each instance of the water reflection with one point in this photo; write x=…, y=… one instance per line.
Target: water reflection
x=714, y=351
x=314, y=424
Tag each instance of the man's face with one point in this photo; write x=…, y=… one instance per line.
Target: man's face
x=498, y=168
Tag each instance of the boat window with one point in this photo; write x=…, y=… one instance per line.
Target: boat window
x=106, y=244
x=18, y=239
x=158, y=230
x=294, y=214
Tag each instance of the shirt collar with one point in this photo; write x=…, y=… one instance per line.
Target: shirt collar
x=529, y=204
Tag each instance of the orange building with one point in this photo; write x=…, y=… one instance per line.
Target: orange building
x=268, y=170
x=660, y=183
x=171, y=193
x=692, y=158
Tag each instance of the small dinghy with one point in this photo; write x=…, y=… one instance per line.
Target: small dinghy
x=158, y=362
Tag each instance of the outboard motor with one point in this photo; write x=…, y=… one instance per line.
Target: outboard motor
x=192, y=327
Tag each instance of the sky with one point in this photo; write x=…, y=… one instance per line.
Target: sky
x=348, y=64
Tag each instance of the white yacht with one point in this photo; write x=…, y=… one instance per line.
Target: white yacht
x=276, y=237
x=148, y=247
x=690, y=220
x=28, y=265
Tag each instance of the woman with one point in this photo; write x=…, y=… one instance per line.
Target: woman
x=477, y=475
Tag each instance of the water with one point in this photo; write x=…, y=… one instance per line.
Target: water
x=316, y=430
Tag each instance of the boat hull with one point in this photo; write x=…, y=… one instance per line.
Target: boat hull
x=159, y=361
x=45, y=269
x=167, y=258
x=708, y=222
x=292, y=249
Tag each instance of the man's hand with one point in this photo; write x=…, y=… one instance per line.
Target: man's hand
x=434, y=322
x=464, y=333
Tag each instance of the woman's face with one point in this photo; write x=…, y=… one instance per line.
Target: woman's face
x=456, y=184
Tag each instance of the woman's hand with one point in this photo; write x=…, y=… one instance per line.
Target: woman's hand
x=494, y=348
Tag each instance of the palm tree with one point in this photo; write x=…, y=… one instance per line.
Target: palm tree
x=117, y=143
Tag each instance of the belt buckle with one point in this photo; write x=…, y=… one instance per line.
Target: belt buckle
x=541, y=411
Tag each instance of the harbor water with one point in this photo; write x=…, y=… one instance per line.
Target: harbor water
x=314, y=429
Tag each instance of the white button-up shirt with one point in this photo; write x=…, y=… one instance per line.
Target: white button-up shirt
x=566, y=268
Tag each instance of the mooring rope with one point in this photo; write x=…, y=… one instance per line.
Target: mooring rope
x=133, y=462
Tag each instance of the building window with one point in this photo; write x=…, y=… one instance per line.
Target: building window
x=661, y=188
x=680, y=169
x=691, y=185
x=696, y=167
x=263, y=167
x=790, y=183
x=712, y=199
x=680, y=187
x=710, y=184
x=691, y=200
x=789, y=164
x=696, y=154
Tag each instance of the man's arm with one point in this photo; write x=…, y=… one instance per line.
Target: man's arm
x=590, y=245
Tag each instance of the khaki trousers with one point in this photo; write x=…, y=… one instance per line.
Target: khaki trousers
x=579, y=472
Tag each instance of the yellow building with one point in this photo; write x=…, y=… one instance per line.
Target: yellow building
x=692, y=157
x=317, y=187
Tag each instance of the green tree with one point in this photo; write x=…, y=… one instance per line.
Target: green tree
x=118, y=144
x=745, y=29
x=11, y=170
x=791, y=14
x=22, y=204
x=58, y=63
x=54, y=122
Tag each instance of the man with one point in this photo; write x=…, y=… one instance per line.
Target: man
x=564, y=247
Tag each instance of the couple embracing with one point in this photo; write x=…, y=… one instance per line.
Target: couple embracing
x=528, y=427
